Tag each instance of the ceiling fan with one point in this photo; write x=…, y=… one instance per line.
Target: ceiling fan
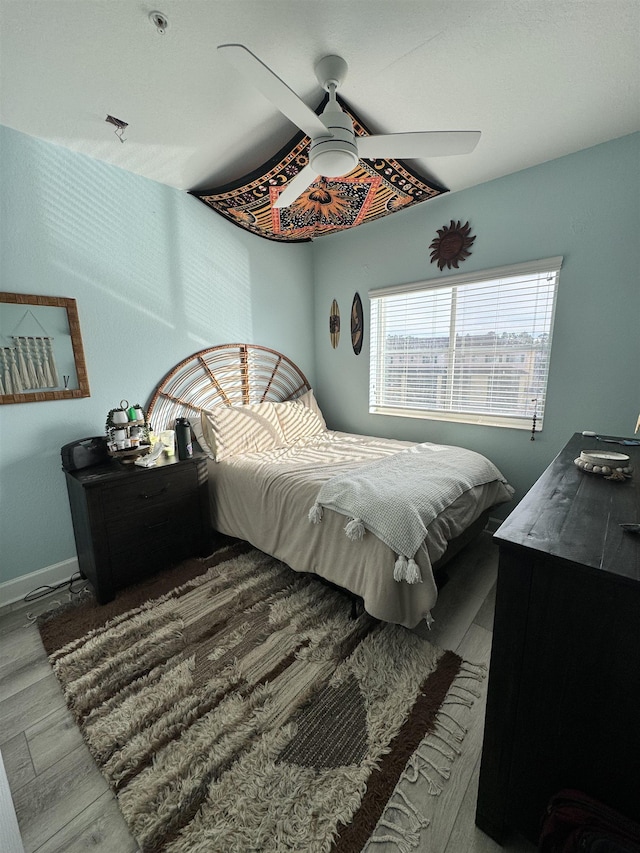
x=335, y=149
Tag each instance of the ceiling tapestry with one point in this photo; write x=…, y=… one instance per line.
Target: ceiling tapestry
x=375, y=188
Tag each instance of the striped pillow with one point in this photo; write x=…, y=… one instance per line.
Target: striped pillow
x=298, y=421
x=308, y=399
x=232, y=430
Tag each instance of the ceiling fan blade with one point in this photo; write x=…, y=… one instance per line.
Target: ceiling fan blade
x=437, y=143
x=296, y=187
x=274, y=89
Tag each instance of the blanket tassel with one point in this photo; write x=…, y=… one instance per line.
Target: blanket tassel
x=315, y=514
x=400, y=568
x=407, y=570
x=413, y=572
x=355, y=529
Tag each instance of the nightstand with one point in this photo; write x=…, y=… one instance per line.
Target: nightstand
x=130, y=521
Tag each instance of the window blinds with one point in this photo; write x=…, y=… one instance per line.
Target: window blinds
x=472, y=347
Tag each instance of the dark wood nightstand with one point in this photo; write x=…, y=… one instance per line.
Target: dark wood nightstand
x=130, y=521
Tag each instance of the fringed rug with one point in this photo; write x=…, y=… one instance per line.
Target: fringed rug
x=247, y=710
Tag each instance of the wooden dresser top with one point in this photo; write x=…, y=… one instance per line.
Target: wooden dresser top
x=575, y=516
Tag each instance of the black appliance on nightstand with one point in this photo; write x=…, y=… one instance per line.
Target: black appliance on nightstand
x=84, y=453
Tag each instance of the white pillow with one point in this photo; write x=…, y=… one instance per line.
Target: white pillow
x=196, y=426
x=298, y=421
x=268, y=412
x=308, y=399
x=231, y=430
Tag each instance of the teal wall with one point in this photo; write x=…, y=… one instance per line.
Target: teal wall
x=585, y=207
x=157, y=276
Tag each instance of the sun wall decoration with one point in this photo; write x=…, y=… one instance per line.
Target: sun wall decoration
x=375, y=188
x=452, y=245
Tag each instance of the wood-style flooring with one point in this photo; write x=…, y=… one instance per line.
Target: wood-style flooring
x=64, y=805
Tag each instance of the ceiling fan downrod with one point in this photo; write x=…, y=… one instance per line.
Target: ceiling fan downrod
x=335, y=154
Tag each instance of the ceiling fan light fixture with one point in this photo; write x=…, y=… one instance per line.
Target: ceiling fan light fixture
x=337, y=154
x=332, y=157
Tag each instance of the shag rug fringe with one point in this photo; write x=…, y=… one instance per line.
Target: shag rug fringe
x=246, y=710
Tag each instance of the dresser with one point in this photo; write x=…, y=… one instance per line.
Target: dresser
x=130, y=521
x=563, y=704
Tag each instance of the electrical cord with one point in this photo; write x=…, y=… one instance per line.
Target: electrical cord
x=41, y=591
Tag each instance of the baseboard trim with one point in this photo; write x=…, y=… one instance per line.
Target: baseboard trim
x=16, y=589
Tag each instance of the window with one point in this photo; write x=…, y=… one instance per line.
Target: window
x=473, y=348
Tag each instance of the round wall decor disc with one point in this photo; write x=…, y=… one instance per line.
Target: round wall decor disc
x=357, y=324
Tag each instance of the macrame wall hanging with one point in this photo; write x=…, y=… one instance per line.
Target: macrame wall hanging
x=28, y=364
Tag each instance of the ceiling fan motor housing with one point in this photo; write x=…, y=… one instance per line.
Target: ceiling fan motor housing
x=335, y=155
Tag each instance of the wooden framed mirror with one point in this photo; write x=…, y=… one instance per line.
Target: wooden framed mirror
x=41, y=353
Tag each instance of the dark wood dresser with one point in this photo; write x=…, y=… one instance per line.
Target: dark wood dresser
x=563, y=705
x=130, y=521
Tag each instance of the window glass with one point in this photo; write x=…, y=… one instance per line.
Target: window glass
x=472, y=348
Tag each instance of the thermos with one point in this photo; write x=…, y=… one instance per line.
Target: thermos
x=183, y=438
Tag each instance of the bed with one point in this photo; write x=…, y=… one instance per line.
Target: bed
x=275, y=470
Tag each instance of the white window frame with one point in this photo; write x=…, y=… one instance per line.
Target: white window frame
x=551, y=266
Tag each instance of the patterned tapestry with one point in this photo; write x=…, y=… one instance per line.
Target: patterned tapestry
x=375, y=188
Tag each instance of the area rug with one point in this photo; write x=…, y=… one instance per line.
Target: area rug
x=248, y=709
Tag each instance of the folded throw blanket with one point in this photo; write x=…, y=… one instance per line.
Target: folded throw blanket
x=397, y=497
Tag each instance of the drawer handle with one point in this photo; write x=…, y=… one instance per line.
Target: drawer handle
x=145, y=496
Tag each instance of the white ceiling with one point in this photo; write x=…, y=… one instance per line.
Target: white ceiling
x=539, y=78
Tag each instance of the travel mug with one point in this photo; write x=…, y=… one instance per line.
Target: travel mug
x=183, y=438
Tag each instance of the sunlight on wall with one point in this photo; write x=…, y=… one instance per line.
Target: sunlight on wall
x=90, y=233
x=176, y=273
x=157, y=276
x=217, y=302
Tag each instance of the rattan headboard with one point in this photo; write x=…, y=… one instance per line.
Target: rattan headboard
x=229, y=374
